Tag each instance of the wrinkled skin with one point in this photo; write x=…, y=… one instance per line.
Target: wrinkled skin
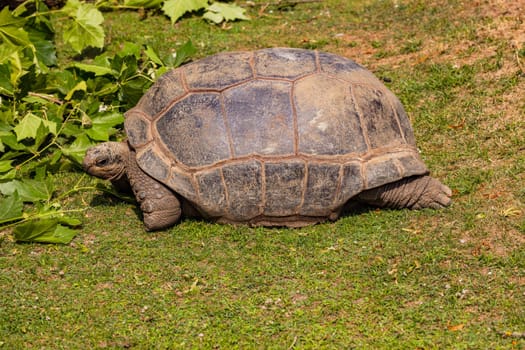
x=114, y=161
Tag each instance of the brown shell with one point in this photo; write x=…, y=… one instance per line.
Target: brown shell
x=272, y=133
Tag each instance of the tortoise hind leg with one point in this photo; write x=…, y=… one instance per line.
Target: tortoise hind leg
x=414, y=192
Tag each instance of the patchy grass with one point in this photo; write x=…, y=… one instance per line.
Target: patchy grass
x=379, y=279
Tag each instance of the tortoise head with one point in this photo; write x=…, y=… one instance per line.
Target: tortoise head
x=107, y=161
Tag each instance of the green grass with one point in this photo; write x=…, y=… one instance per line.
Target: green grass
x=380, y=279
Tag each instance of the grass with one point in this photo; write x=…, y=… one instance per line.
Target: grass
x=380, y=279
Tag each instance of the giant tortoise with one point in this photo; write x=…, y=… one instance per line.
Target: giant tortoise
x=274, y=137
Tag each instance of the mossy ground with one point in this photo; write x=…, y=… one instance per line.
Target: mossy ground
x=379, y=279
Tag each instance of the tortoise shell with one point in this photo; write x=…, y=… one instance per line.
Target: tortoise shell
x=272, y=133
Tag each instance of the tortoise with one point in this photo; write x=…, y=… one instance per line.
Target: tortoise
x=274, y=137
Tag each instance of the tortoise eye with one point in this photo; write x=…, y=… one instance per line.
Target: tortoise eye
x=102, y=162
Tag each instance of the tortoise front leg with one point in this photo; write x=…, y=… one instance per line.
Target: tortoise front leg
x=160, y=207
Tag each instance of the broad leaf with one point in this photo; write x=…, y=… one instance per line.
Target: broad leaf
x=81, y=86
x=77, y=150
x=62, y=82
x=213, y=17
x=11, y=208
x=11, y=141
x=11, y=31
x=96, y=69
x=29, y=125
x=69, y=221
x=175, y=9
x=85, y=29
x=10, y=175
x=44, y=231
x=6, y=19
x=130, y=49
x=182, y=55
x=6, y=87
x=5, y=165
x=29, y=190
x=143, y=3
x=220, y=11
x=41, y=135
x=102, y=126
x=152, y=55
x=44, y=49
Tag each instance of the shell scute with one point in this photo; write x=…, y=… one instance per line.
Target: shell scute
x=346, y=69
x=182, y=182
x=259, y=114
x=284, y=63
x=321, y=188
x=193, y=130
x=219, y=71
x=412, y=164
x=351, y=181
x=243, y=185
x=168, y=87
x=212, y=193
x=284, y=184
x=138, y=128
x=381, y=123
x=381, y=171
x=150, y=159
x=327, y=126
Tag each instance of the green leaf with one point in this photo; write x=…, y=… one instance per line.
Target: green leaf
x=11, y=29
x=6, y=19
x=29, y=125
x=220, y=11
x=62, y=82
x=102, y=126
x=11, y=208
x=96, y=69
x=6, y=87
x=29, y=190
x=152, y=55
x=143, y=3
x=81, y=86
x=85, y=29
x=44, y=231
x=10, y=175
x=45, y=50
x=175, y=9
x=77, y=150
x=130, y=49
x=183, y=54
x=5, y=165
x=213, y=17
x=69, y=221
x=11, y=142
x=41, y=136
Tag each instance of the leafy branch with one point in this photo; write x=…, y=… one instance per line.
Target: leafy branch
x=50, y=116
x=213, y=11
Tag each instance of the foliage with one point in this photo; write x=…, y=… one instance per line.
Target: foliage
x=49, y=117
x=214, y=11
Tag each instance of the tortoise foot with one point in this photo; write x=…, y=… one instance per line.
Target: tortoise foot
x=416, y=192
x=161, y=219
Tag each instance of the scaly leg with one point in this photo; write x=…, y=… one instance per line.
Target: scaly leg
x=159, y=205
x=414, y=192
